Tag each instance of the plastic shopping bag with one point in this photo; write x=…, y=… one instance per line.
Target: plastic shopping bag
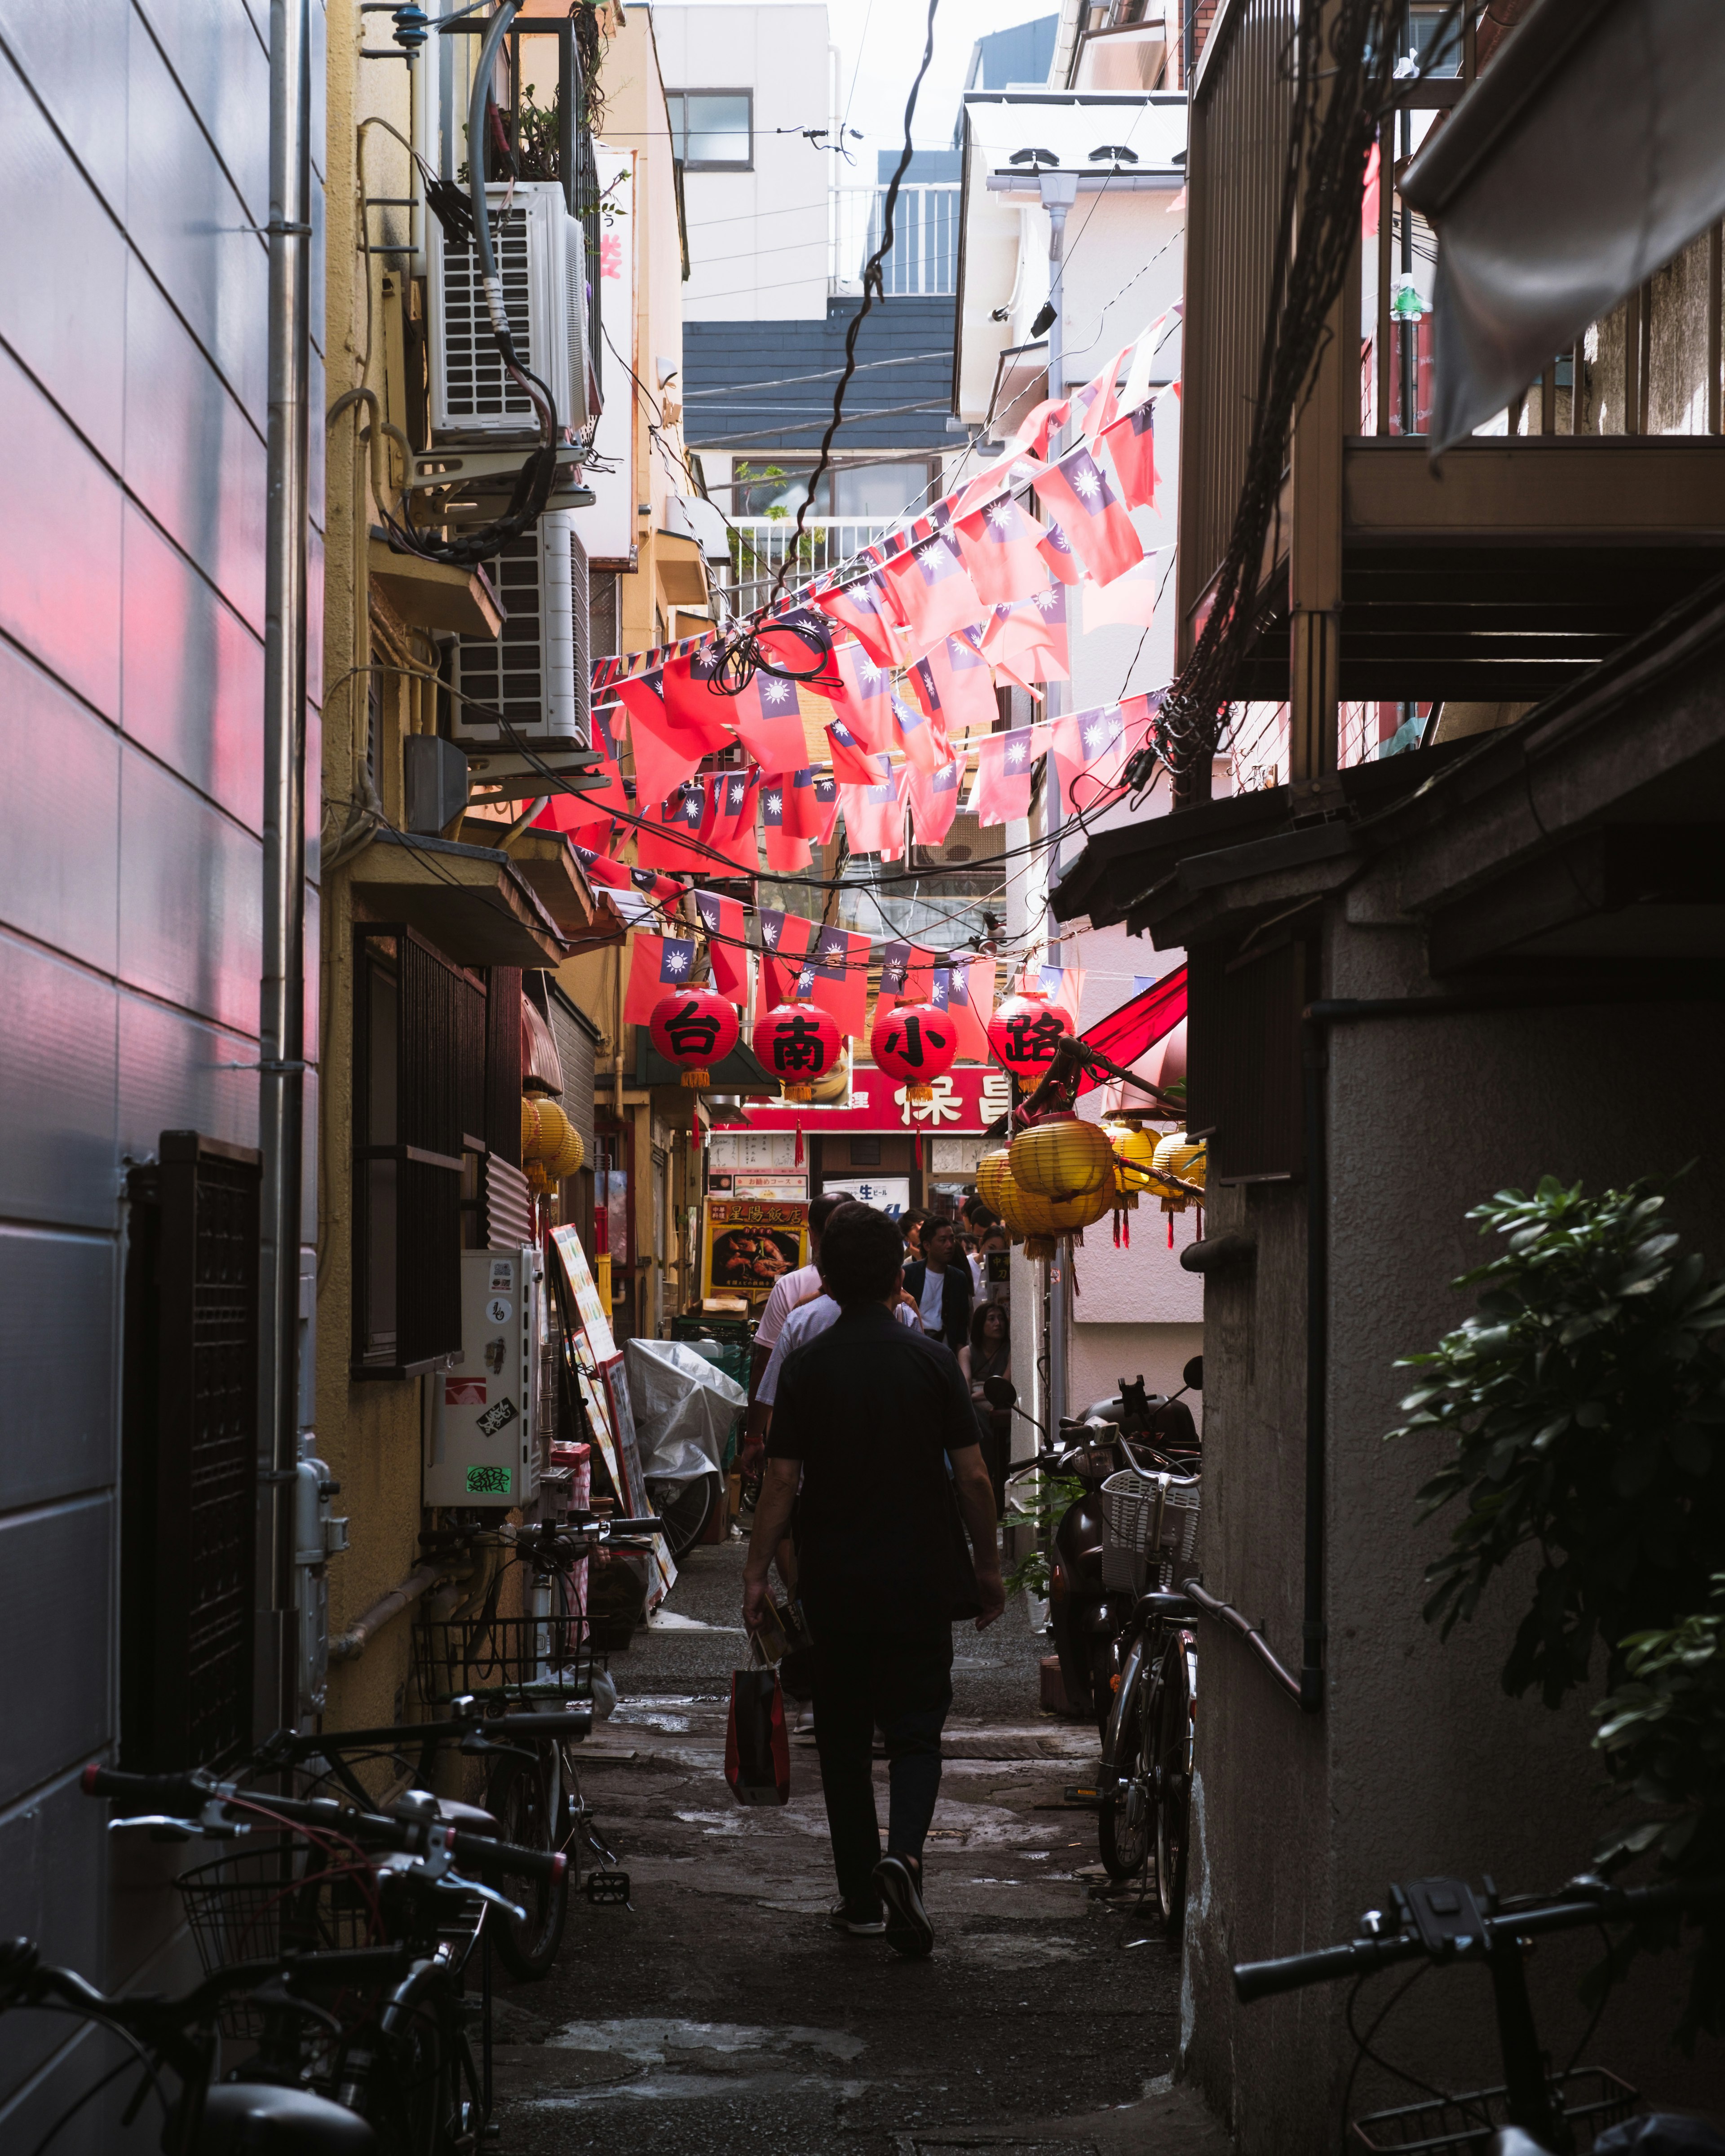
x=757, y=1752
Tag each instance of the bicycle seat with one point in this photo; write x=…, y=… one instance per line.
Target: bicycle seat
x=1171, y=1609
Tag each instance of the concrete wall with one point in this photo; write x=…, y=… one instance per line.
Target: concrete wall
x=1419, y=1762
x=758, y=240
x=133, y=368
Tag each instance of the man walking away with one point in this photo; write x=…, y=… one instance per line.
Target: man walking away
x=788, y=1293
x=941, y=1285
x=868, y=1415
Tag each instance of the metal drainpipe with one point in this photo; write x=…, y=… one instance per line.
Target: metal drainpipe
x=1059, y=192
x=281, y=1017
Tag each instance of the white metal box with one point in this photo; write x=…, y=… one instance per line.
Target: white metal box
x=482, y=1413
x=541, y=259
x=534, y=674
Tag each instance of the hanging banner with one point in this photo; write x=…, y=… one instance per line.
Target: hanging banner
x=607, y=530
x=968, y=1097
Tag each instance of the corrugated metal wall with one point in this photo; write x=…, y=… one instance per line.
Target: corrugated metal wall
x=133, y=361
x=577, y=1044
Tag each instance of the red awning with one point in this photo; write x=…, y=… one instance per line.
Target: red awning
x=1130, y=1032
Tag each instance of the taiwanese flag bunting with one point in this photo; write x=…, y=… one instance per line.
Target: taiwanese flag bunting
x=865, y=704
x=1063, y=988
x=657, y=964
x=605, y=735
x=934, y=802
x=808, y=812
x=799, y=639
x=1002, y=792
x=664, y=835
x=1096, y=398
x=787, y=850
x=1130, y=601
x=1092, y=749
x=852, y=764
x=726, y=943
x=836, y=977
x=1053, y=548
x=1030, y=640
x=866, y=611
x=874, y=816
x=1131, y=442
x=668, y=745
x=932, y=593
x=907, y=976
x=730, y=825
x=1092, y=516
x=954, y=683
x=825, y=811
x=768, y=718
x=786, y=938
x=1000, y=546
x=970, y=1005
x=925, y=739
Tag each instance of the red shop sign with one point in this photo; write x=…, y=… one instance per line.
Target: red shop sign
x=967, y=1099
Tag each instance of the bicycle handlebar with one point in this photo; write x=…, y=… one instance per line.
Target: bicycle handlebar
x=1263, y=1979
x=188, y=1794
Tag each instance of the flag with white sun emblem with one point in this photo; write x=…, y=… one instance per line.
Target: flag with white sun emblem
x=932, y=590
x=1092, y=517
x=657, y=964
x=787, y=850
x=865, y=704
x=1002, y=792
x=1000, y=546
x=768, y=718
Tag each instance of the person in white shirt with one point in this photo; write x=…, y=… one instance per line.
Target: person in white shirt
x=806, y=1323
x=789, y=1292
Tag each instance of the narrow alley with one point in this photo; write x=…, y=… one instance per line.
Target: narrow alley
x=723, y=2012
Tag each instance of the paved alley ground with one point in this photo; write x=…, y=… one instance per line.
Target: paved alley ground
x=723, y=2013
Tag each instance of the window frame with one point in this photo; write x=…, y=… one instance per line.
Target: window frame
x=680, y=128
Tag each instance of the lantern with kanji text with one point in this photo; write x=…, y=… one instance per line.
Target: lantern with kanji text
x=1024, y=1033
x=694, y=1029
x=799, y=1044
x=915, y=1043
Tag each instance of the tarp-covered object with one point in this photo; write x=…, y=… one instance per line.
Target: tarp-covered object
x=684, y=1409
x=1590, y=153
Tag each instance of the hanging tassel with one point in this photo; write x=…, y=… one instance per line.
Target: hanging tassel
x=797, y=1156
x=1128, y=1231
x=1171, y=1231
x=1116, y=1230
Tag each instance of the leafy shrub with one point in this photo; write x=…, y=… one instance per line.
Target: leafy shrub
x=1586, y=1402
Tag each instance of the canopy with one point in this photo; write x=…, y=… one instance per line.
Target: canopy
x=1588, y=155
x=1136, y=1027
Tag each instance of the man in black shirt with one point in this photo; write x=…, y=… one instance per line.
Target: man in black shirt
x=867, y=1417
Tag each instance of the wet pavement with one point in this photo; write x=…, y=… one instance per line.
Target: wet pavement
x=722, y=2011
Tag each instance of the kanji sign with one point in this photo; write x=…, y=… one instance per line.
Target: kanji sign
x=967, y=1098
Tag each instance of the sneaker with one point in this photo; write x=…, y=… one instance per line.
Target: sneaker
x=864, y=1923
x=899, y=1885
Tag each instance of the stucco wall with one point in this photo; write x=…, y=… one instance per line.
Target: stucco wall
x=1419, y=1762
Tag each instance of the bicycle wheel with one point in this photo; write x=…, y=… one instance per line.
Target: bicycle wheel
x=686, y=1508
x=1171, y=1752
x=1124, y=1823
x=404, y=2076
x=519, y=1799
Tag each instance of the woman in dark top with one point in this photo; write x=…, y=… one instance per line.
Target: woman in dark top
x=989, y=1355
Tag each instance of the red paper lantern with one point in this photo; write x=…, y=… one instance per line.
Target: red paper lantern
x=797, y=1043
x=693, y=1028
x=1024, y=1033
x=915, y=1043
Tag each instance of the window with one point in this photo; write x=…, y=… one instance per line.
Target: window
x=712, y=130
x=871, y=493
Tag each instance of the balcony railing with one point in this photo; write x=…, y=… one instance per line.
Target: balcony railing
x=924, y=259
x=759, y=544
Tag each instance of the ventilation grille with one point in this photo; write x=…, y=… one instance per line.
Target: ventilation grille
x=476, y=383
x=508, y=674
x=509, y=1207
x=582, y=624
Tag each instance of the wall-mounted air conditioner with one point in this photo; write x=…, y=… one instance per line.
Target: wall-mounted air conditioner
x=541, y=258
x=536, y=672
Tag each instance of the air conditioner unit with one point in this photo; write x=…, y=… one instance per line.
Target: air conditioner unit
x=541, y=259
x=536, y=672
x=482, y=1435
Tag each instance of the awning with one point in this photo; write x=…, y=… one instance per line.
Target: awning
x=1588, y=155
x=1130, y=1032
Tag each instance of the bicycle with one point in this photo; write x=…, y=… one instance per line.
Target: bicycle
x=1445, y=1922
x=367, y=1908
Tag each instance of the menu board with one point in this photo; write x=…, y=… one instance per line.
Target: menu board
x=583, y=1289
x=748, y=1244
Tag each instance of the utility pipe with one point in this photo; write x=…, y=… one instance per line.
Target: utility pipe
x=281, y=1045
x=349, y=1645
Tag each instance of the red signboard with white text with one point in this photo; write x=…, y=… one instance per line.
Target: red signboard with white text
x=967, y=1099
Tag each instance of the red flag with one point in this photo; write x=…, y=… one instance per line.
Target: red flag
x=1030, y=639
x=768, y=717
x=568, y=812
x=1131, y=443
x=664, y=839
x=787, y=850
x=906, y=972
x=731, y=798
x=954, y=684
x=970, y=1005
x=852, y=764
x=866, y=704
x=1095, y=402
x=811, y=806
x=1054, y=549
x=726, y=942
x=836, y=977
x=657, y=964
x=1130, y=600
x=874, y=816
x=1135, y=1028
x=1000, y=546
x=667, y=745
x=1063, y=988
x=1091, y=514
x=785, y=938
x=865, y=609
x=1002, y=792
x=934, y=802
x=1092, y=749
x=932, y=593
x=925, y=739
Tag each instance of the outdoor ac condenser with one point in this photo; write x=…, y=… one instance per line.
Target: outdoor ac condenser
x=541, y=258
x=482, y=1437
x=536, y=673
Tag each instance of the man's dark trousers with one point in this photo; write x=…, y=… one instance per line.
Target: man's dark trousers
x=906, y=1685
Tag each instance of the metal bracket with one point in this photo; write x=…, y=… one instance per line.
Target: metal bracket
x=460, y=467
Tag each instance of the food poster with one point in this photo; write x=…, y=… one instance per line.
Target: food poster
x=748, y=1244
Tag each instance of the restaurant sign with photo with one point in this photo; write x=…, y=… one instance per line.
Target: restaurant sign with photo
x=748, y=1244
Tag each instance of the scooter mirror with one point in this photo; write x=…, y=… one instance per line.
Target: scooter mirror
x=1192, y=1377
x=1000, y=1392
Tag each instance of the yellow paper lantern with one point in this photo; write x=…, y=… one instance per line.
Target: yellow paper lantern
x=549, y=1132
x=1134, y=1156
x=1063, y=1156
x=566, y=1161
x=1029, y=1218
x=994, y=1172
x=1176, y=1156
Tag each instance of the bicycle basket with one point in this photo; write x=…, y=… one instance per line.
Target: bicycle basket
x=1152, y=1521
x=512, y=1658
x=280, y=1896
x=1590, y=2097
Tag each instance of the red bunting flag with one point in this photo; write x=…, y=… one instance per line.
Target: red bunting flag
x=866, y=704
x=836, y=977
x=785, y=939
x=1092, y=749
x=925, y=739
x=668, y=745
x=874, y=816
x=906, y=970
x=954, y=684
x=1030, y=639
x=1002, y=792
x=1053, y=548
x=1092, y=516
x=934, y=801
x=731, y=797
x=1095, y=404
x=667, y=835
x=787, y=850
x=657, y=964
x=1131, y=442
x=865, y=609
x=999, y=546
x=970, y=1005
x=768, y=718
x=811, y=805
x=726, y=942
x=852, y=764
x=931, y=593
